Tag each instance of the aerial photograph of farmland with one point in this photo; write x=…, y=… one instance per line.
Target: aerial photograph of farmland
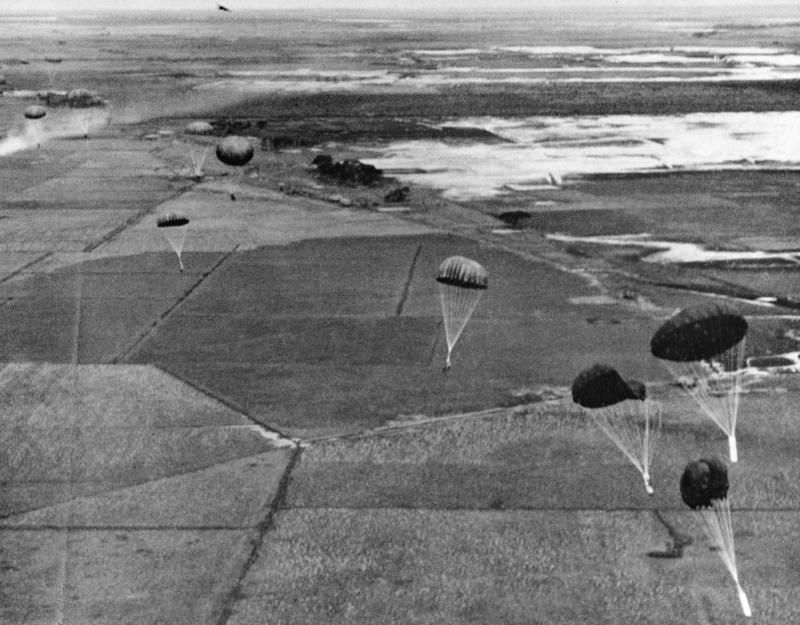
x=348, y=312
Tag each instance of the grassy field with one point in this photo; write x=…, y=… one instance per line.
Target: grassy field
x=143, y=475
x=429, y=566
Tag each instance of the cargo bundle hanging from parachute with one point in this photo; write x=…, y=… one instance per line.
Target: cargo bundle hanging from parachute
x=461, y=285
x=235, y=152
x=623, y=412
x=704, y=488
x=174, y=228
x=703, y=347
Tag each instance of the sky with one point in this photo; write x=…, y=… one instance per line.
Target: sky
x=53, y=6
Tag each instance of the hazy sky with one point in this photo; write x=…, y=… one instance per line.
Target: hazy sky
x=27, y=6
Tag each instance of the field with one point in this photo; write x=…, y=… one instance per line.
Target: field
x=268, y=436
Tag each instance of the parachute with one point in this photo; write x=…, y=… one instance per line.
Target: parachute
x=704, y=488
x=236, y=152
x=174, y=228
x=703, y=347
x=51, y=73
x=623, y=412
x=200, y=128
x=35, y=111
x=461, y=285
x=198, y=160
x=85, y=123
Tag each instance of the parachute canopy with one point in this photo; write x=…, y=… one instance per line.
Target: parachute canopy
x=631, y=425
x=173, y=226
x=199, y=128
x=235, y=151
x=600, y=386
x=462, y=272
x=702, y=481
x=35, y=111
x=461, y=285
x=699, y=332
x=171, y=221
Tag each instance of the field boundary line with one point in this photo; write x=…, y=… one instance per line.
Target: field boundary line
x=130, y=221
x=396, y=427
x=131, y=349
x=407, y=285
x=549, y=508
x=109, y=236
x=16, y=272
x=120, y=487
x=126, y=528
x=228, y=403
x=226, y=609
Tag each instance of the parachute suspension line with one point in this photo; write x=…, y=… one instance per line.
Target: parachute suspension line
x=652, y=428
x=458, y=304
x=718, y=527
x=198, y=162
x=174, y=227
x=176, y=238
x=231, y=192
x=737, y=354
x=85, y=125
x=621, y=423
x=715, y=386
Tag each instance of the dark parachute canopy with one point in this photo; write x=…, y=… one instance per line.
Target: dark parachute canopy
x=199, y=128
x=702, y=481
x=462, y=272
x=235, y=151
x=171, y=221
x=173, y=227
x=699, y=332
x=35, y=111
x=600, y=386
x=631, y=425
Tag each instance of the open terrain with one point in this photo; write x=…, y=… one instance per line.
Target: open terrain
x=268, y=437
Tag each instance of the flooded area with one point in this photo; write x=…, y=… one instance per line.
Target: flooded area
x=535, y=152
x=677, y=252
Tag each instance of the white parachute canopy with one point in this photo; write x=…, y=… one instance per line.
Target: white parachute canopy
x=461, y=285
x=200, y=128
x=174, y=228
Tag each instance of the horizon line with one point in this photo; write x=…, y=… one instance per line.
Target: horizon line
x=448, y=8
